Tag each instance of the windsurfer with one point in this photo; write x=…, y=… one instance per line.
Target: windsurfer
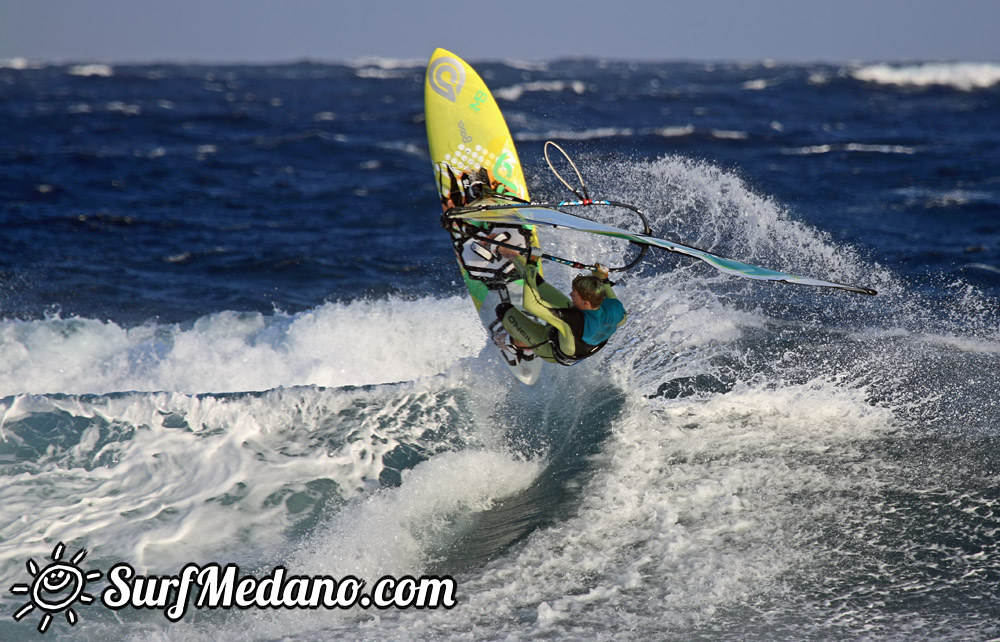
x=574, y=327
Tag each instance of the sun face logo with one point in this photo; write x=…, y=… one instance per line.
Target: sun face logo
x=56, y=588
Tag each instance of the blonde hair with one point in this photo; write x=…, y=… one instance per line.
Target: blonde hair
x=590, y=289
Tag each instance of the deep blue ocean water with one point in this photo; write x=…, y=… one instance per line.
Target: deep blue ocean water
x=232, y=330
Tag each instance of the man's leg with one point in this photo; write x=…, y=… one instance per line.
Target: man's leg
x=526, y=332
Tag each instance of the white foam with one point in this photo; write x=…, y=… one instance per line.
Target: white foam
x=123, y=506
x=381, y=73
x=398, y=530
x=123, y=108
x=986, y=267
x=728, y=134
x=583, y=134
x=721, y=213
x=337, y=344
x=515, y=92
x=387, y=63
x=965, y=76
x=968, y=345
x=819, y=77
x=527, y=65
x=20, y=64
x=675, y=132
x=103, y=71
x=866, y=148
x=697, y=507
x=393, y=531
x=929, y=197
x=162, y=479
x=758, y=84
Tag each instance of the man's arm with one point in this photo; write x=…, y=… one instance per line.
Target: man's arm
x=543, y=304
x=601, y=273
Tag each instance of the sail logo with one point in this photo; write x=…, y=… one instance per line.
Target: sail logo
x=446, y=76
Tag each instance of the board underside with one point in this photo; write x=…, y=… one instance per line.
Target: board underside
x=474, y=161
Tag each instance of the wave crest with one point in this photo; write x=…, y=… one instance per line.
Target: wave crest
x=337, y=344
x=964, y=76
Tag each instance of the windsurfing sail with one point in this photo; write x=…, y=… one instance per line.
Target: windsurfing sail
x=534, y=215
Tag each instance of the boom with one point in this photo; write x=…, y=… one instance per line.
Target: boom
x=543, y=214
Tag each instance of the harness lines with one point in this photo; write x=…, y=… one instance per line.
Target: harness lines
x=564, y=359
